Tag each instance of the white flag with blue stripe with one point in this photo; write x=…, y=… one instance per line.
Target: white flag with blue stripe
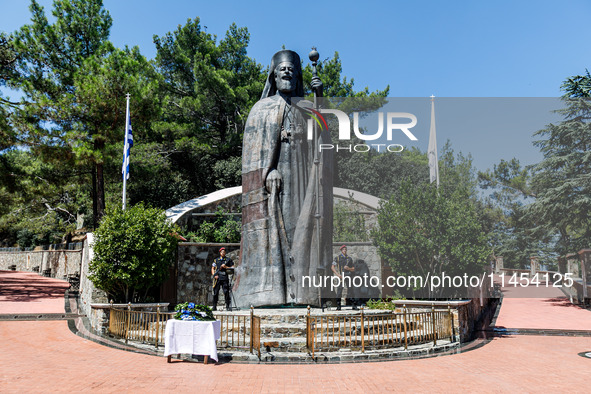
x=126, y=150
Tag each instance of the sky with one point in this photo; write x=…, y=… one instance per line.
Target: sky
x=450, y=49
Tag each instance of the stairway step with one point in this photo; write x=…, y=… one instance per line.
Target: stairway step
x=343, y=355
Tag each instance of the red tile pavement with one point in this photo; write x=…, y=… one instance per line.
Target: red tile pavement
x=46, y=357
x=550, y=309
x=539, y=313
x=27, y=292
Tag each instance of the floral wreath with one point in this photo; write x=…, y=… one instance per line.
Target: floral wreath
x=192, y=311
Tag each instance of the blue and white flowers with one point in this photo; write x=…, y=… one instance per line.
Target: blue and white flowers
x=191, y=311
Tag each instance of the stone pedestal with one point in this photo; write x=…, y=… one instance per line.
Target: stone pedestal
x=572, y=264
x=534, y=265
x=499, y=264
x=572, y=268
x=585, y=258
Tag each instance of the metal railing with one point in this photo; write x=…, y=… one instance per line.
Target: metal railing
x=62, y=246
x=377, y=331
x=237, y=331
x=140, y=326
x=16, y=249
x=240, y=331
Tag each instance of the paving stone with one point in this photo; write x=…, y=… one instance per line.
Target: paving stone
x=45, y=356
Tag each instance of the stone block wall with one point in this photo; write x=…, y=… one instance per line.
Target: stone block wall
x=194, y=267
x=362, y=251
x=194, y=271
x=195, y=259
x=61, y=262
x=99, y=319
x=370, y=216
x=365, y=251
x=88, y=293
x=473, y=315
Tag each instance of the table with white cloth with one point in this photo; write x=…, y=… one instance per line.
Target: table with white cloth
x=192, y=337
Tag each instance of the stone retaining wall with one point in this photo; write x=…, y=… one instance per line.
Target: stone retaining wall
x=365, y=251
x=477, y=313
x=61, y=262
x=88, y=293
x=370, y=215
x=194, y=271
x=472, y=315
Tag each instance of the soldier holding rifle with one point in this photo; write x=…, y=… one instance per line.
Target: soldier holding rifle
x=219, y=269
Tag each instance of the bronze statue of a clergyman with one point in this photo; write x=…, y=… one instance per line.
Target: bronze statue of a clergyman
x=282, y=191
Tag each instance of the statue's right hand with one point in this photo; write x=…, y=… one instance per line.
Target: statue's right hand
x=317, y=86
x=273, y=181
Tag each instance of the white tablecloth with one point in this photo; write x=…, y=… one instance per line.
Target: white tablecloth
x=192, y=337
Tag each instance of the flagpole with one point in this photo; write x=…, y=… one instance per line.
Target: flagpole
x=432, y=150
x=125, y=158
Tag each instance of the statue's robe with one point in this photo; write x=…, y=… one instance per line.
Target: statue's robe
x=279, y=229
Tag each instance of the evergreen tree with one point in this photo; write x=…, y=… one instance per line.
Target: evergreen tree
x=547, y=206
x=423, y=231
x=511, y=235
x=577, y=86
x=7, y=61
x=98, y=108
x=563, y=178
x=208, y=88
x=49, y=57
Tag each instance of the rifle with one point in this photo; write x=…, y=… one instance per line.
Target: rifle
x=347, y=273
x=216, y=273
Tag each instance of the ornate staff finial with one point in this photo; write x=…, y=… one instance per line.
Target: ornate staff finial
x=314, y=56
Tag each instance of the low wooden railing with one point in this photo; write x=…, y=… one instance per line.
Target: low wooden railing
x=255, y=334
x=240, y=331
x=377, y=331
x=237, y=331
x=139, y=326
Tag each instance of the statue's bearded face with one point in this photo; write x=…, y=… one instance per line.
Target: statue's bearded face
x=285, y=77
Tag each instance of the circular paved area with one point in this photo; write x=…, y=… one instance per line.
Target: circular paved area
x=46, y=356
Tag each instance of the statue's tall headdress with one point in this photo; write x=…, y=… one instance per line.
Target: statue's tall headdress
x=279, y=57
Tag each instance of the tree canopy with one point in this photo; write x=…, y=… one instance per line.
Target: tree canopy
x=61, y=144
x=425, y=230
x=547, y=206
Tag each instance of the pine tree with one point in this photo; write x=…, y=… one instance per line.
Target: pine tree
x=562, y=180
x=50, y=55
x=209, y=88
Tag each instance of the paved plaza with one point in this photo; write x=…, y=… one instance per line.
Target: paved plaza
x=46, y=356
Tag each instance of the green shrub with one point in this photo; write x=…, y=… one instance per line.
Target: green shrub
x=133, y=250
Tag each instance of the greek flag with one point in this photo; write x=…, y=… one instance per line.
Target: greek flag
x=126, y=149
